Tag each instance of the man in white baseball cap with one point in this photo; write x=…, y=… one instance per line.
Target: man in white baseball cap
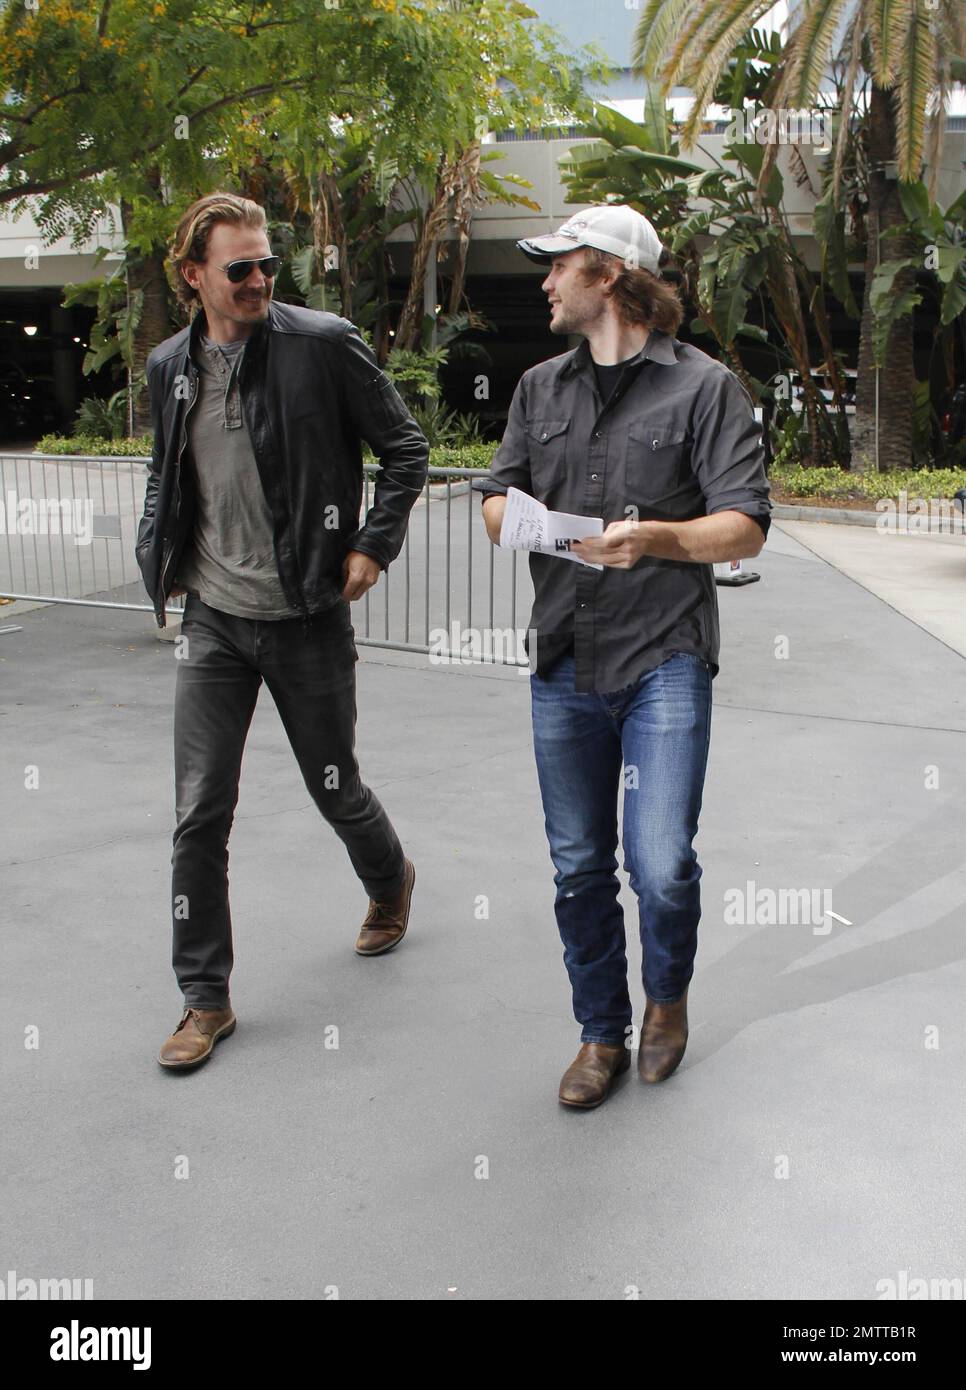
x=660, y=441
x=614, y=227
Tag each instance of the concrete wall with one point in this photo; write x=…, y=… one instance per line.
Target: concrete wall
x=56, y=264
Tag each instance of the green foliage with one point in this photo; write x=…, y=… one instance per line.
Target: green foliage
x=448, y=428
x=358, y=189
x=889, y=305
x=149, y=104
x=751, y=157
x=469, y=427
x=828, y=226
x=750, y=68
x=732, y=269
x=99, y=419
x=438, y=424
x=941, y=252
x=118, y=316
x=836, y=483
x=415, y=375
x=789, y=440
x=463, y=456
x=137, y=447
x=942, y=236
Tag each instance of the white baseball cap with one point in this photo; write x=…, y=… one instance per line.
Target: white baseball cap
x=613, y=227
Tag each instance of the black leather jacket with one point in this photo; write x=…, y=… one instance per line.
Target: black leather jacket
x=311, y=390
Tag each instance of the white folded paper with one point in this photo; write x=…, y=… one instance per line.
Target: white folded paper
x=529, y=525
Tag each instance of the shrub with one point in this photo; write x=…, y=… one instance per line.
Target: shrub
x=136, y=447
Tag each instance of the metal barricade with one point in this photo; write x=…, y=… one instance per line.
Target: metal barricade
x=70, y=524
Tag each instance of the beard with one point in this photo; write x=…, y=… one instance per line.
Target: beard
x=252, y=301
x=562, y=323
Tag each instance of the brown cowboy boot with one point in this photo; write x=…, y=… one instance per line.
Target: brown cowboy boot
x=592, y=1073
x=385, y=925
x=664, y=1036
x=195, y=1036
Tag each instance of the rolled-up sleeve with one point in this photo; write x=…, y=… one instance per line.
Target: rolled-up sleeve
x=510, y=465
x=727, y=453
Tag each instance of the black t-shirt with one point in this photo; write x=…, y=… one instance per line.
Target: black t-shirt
x=607, y=378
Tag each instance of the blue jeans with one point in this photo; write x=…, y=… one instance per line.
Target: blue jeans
x=659, y=730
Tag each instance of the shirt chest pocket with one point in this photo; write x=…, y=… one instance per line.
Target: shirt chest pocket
x=547, y=448
x=658, y=461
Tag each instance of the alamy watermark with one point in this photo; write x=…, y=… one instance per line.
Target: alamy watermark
x=47, y=516
x=905, y=1286
x=76, y=1343
x=765, y=125
x=916, y=516
x=752, y=906
x=471, y=646
x=23, y=1290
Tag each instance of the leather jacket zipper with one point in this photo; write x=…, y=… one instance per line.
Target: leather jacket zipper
x=182, y=444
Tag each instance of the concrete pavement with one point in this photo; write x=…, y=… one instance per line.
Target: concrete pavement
x=808, y=1145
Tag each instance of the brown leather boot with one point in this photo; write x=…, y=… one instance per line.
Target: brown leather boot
x=385, y=925
x=195, y=1036
x=664, y=1036
x=588, y=1079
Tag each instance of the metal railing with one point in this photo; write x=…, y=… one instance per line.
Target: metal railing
x=70, y=524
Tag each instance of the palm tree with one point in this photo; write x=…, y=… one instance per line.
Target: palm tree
x=913, y=52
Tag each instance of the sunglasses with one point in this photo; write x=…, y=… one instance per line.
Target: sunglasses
x=237, y=271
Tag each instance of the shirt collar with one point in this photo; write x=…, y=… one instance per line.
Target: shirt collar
x=658, y=348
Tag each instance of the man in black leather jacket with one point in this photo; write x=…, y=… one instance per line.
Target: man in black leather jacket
x=252, y=508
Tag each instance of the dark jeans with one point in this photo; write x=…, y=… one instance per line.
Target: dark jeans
x=311, y=676
x=658, y=730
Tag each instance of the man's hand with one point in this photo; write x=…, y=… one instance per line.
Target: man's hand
x=359, y=572
x=622, y=545
x=704, y=540
x=493, y=509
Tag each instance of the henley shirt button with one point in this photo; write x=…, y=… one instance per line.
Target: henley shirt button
x=596, y=434
x=593, y=477
x=544, y=435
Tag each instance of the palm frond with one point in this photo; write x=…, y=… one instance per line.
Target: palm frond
x=692, y=33
x=888, y=23
x=848, y=88
x=912, y=91
x=660, y=19
x=808, y=52
x=703, y=67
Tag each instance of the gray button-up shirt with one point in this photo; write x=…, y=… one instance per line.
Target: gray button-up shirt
x=678, y=439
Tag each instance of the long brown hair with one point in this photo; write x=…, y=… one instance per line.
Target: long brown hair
x=639, y=296
x=191, y=235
